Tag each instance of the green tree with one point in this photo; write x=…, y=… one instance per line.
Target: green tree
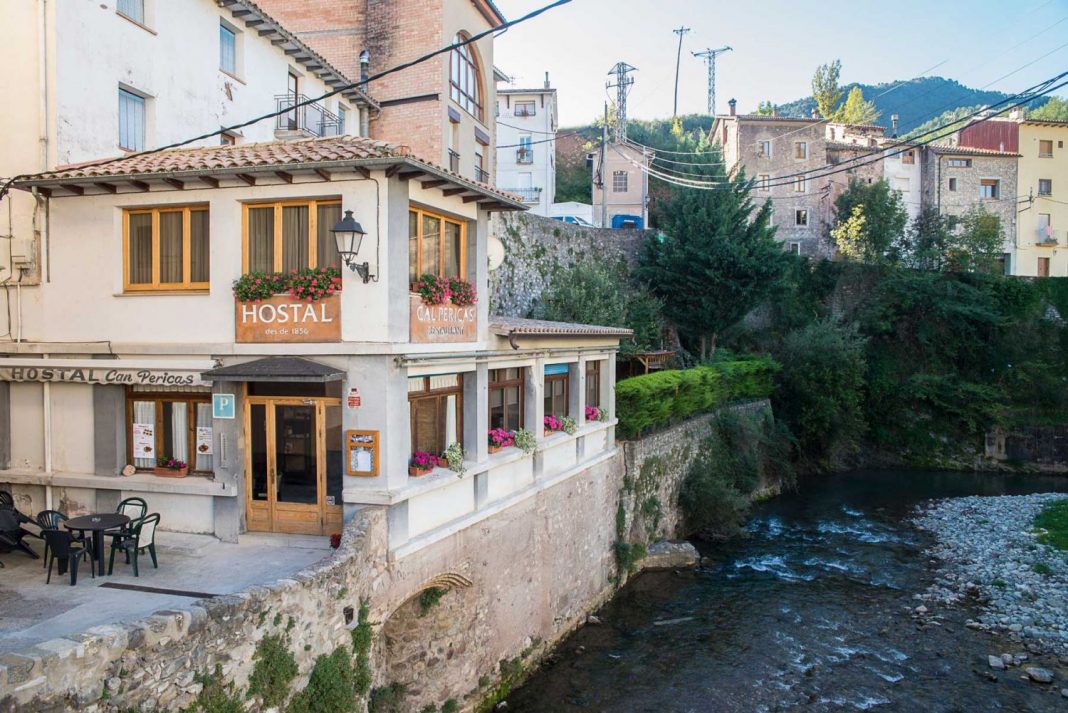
x=969, y=243
x=718, y=258
x=874, y=233
x=820, y=390
x=593, y=293
x=928, y=240
x=1056, y=109
x=765, y=108
x=825, y=89
x=856, y=110
x=978, y=243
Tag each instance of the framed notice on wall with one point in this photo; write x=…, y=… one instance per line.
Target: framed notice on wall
x=361, y=453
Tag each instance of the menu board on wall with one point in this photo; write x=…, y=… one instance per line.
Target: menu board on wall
x=144, y=440
x=361, y=453
x=204, y=440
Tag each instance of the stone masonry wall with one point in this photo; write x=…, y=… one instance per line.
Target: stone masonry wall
x=656, y=467
x=506, y=589
x=535, y=247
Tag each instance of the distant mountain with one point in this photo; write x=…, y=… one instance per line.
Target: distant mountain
x=915, y=101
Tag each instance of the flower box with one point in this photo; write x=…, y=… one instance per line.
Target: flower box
x=418, y=472
x=494, y=449
x=171, y=472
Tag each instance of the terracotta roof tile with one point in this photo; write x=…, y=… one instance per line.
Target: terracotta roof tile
x=969, y=151
x=506, y=326
x=211, y=160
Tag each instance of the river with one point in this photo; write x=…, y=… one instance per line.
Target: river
x=809, y=611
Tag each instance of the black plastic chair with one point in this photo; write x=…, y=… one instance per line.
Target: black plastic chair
x=62, y=546
x=6, y=501
x=133, y=508
x=53, y=520
x=11, y=532
x=142, y=537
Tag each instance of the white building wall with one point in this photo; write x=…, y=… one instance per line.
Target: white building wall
x=538, y=170
x=905, y=178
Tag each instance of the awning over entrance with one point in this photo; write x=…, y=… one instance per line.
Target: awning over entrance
x=275, y=369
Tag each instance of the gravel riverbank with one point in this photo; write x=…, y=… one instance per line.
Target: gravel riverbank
x=986, y=549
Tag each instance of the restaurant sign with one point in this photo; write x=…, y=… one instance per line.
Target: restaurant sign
x=95, y=375
x=432, y=324
x=282, y=319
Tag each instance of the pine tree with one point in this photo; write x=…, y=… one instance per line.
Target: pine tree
x=717, y=259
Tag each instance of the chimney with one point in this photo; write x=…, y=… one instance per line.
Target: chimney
x=815, y=113
x=733, y=104
x=893, y=122
x=546, y=80
x=1016, y=114
x=365, y=68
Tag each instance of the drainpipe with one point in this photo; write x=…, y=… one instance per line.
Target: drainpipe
x=365, y=119
x=47, y=396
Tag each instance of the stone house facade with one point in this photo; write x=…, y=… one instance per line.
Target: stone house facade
x=959, y=178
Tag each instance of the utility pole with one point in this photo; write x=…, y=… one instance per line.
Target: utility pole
x=680, y=31
x=601, y=169
x=622, y=86
x=709, y=56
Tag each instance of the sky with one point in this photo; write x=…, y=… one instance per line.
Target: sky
x=776, y=47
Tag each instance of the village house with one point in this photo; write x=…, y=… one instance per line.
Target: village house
x=255, y=306
x=621, y=186
x=1041, y=216
x=526, y=128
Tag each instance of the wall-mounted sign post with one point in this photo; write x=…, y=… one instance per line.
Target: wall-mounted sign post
x=223, y=406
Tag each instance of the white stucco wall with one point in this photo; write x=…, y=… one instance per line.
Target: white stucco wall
x=175, y=61
x=541, y=128
x=905, y=178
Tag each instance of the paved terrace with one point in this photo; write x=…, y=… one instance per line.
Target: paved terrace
x=32, y=612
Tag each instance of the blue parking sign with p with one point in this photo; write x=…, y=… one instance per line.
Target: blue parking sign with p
x=223, y=405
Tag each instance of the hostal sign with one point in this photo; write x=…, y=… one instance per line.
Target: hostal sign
x=85, y=375
x=285, y=319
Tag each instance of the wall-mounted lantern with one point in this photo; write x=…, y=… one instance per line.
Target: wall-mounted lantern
x=348, y=234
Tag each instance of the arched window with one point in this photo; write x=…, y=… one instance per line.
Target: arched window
x=465, y=78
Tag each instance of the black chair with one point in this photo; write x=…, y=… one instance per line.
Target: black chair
x=6, y=501
x=62, y=546
x=11, y=532
x=53, y=520
x=142, y=537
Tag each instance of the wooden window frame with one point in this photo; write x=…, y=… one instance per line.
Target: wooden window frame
x=503, y=385
x=566, y=379
x=992, y=183
x=155, y=286
x=420, y=213
x=801, y=217
x=435, y=394
x=159, y=398
x=593, y=382
x=1048, y=154
x=313, y=228
x=464, y=60
x=801, y=150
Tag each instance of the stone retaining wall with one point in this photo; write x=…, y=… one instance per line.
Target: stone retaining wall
x=535, y=247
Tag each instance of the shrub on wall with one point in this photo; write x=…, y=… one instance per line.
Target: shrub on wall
x=275, y=668
x=330, y=688
x=662, y=398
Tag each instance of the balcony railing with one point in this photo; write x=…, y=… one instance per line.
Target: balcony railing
x=529, y=195
x=481, y=175
x=1045, y=236
x=454, y=161
x=312, y=119
x=524, y=155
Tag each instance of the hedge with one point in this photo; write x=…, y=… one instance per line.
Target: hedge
x=665, y=397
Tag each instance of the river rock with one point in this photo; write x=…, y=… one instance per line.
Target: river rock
x=1039, y=675
x=670, y=555
x=995, y=662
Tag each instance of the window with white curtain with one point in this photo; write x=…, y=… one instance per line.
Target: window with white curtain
x=436, y=405
x=177, y=426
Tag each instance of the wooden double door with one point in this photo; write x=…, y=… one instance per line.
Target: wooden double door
x=294, y=464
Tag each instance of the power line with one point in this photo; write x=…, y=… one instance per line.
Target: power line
x=541, y=141
x=293, y=107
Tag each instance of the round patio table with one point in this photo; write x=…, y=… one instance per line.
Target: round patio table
x=97, y=524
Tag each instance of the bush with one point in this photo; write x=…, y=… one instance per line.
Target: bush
x=659, y=399
x=388, y=699
x=742, y=451
x=273, y=671
x=819, y=392
x=330, y=688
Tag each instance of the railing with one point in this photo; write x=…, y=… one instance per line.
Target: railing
x=524, y=155
x=481, y=175
x=454, y=161
x=1045, y=236
x=313, y=119
x=529, y=195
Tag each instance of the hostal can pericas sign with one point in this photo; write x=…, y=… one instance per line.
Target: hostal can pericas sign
x=442, y=323
x=284, y=319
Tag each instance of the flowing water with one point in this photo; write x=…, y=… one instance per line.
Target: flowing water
x=808, y=612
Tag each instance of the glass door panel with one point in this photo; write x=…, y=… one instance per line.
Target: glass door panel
x=332, y=433
x=258, y=447
x=296, y=461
